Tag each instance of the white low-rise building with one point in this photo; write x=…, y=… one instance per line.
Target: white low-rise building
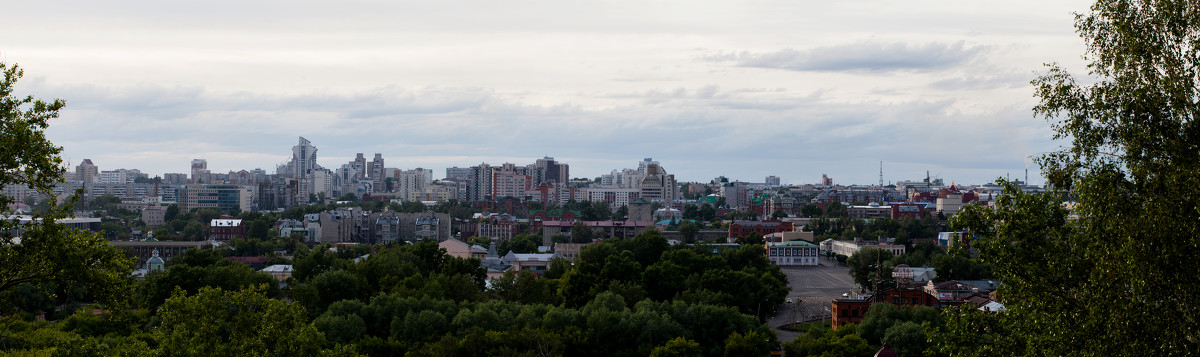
x=794, y=253
x=849, y=247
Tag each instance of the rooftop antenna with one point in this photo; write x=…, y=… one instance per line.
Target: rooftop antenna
x=881, y=174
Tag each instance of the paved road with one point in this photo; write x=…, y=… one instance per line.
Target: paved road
x=812, y=290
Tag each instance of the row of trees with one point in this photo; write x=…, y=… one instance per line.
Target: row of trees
x=415, y=299
x=911, y=331
x=872, y=267
x=904, y=230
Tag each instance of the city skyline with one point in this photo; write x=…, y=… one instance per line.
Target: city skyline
x=793, y=90
x=441, y=173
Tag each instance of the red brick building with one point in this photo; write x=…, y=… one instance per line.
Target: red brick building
x=762, y=228
x=223, y=230
x=498, y=226
x=908, y=210
x=557, y=214
x=511, y=205
x=852, y=310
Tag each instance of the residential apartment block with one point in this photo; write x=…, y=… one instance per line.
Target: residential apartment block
x=354, y=225
x=222, y=197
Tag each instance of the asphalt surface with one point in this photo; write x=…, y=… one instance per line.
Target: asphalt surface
x=812, y=292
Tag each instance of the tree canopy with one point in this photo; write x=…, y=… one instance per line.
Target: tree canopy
x=1115, y=275
x=47, y=251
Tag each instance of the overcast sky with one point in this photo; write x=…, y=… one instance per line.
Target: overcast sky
x=744, y=89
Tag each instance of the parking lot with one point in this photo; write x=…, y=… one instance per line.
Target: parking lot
x=812, y=292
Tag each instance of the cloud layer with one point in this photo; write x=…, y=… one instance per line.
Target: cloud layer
x=871, y=57
x=744, y=90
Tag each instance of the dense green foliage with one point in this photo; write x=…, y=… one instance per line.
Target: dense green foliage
x=49, y=256
x=625, y=297
x=870, y=266
x=904, y=230
x=902, y=326
x=821, y=341
x=237, y=323
x=1115, y=275
x=197, y=270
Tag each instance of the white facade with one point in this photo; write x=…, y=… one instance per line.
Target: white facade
x=848, y=248
x=321, y=181
x=409, y=182
x=667, y=213
x=304, y=159
x=950, y=204
x=458, y=172
x=114, y=176
x=615, y=196
x=793, y=253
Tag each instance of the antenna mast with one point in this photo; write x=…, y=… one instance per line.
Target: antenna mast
x=881, y=174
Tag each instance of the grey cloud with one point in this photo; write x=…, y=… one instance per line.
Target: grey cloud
x=1003, y=81
x=731, y=129
x=716, y=97
x=858, y=57
x=164, y=101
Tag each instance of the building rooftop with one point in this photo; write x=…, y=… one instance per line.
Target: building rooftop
x=278, y=269
x=757, y=223
x=793, y=243
x=225, y=223
x=599, y=223
x=544, y=257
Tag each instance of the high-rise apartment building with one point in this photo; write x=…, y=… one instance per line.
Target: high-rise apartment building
x=304, y=159
x=320, y=182
x=376, y=169
x=199, y=170
x=376, y=174
x=87, y=172
x=222, y=197
x=508, y=182
x=658, y=185
x=552, y=171
x=360, y=166
x=481, y=182
x=113, y=176
x=644, y=164
x=174, y=178
x=409, y=182
x=458, y=172
x=119, y=176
